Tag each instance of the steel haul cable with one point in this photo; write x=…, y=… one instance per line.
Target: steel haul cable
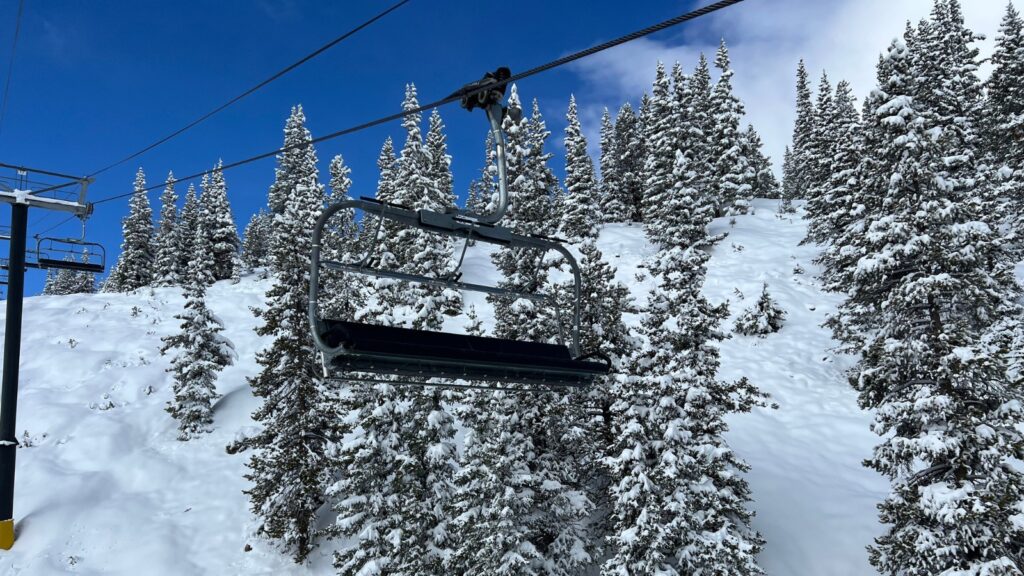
x=273, y=77
x=454, y=97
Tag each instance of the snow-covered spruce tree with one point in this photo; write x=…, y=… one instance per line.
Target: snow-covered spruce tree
x=763, y=318
x=702, y=127
x=166, y=267
x=732, y=186
x=1004, y=114
x=678, y=495
x=219, y=224
x=662, y=139
x=1005, y=105
x=532, y=185
x=803, y=132
x=188, y=225
x=341, y=295
x=933, y=281
x=610, y=199
x=764, y=184
x=436, y=255
x=290, y=470
x=482, y=191
x=134, y=268
x=580, y=216
x=820, y=149
x=833, y=208
x=631, y=151
x=522, y=503
x=423, y=181
x=201, y=353
x=788, y=182
x=256, y=241
x=62, y=282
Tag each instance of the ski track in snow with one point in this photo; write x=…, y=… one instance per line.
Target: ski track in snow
x=107, y=489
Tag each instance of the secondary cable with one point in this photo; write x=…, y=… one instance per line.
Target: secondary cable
x=10, y=64
x=454, y=97
x=273, y=77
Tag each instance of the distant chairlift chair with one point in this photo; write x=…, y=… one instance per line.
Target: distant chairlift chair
x=365, y=352
x=70, y=254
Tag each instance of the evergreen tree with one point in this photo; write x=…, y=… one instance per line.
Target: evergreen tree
x=732, y=186
x=661, y=144
x=256, y=243
x=764, y=184
x=820, y=151
x=189, y=223
x=341, y=295
x=202, y=353
x=134, y=268
x=701, y=128
x=630, y=154
x=522, y=503
x=833, y=208
x=1006, y=92
x=1005, y=118
x=612, y=203
x=788, y=182
x=290, y=470
x=219, y=224
x=678, y=495
x=765, y=317
x=803, y=133
x=925, y=298
x=166, y=272
x=580, y=216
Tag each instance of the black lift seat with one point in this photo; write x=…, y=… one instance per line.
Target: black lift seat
x=418, y=353
x=69, y=265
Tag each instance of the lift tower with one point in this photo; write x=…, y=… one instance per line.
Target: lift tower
x=67, y=195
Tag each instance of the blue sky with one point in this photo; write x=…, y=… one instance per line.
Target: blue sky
x=94, y=81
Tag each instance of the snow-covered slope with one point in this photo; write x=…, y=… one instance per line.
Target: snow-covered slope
x=103, y=486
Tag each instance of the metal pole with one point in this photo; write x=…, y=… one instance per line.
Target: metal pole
x=12, y=356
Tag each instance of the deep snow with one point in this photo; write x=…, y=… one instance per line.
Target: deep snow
x=104, y=487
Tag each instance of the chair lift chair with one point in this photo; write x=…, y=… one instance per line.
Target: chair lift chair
x=371, y=353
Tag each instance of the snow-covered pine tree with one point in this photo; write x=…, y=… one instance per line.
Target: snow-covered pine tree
x=531, y=186
x=764, y=184
x=86, y=281
x=1004, y=114
x=631, y=151
x=62, y=282
x=522, y=503
x=803, y=133
x=201, y=353
x=678, y=495
x=436, y=257
x=833, y=208
x=219, y=224
x=662, y=138
x=613, y=208
x=869, y=186
x=1005, y=104
x=763, y=318
x=702, y=127
x=732, y=185
x=166, y=271
x=342, y=294
x=188, y=224
x=134, y=268
x=788, y=183
x=290, y=470
x=256, y=241
x=819, y=152
x=580, y=216
x=932, y=282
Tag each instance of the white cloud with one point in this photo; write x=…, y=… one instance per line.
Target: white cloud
x=766, y=39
